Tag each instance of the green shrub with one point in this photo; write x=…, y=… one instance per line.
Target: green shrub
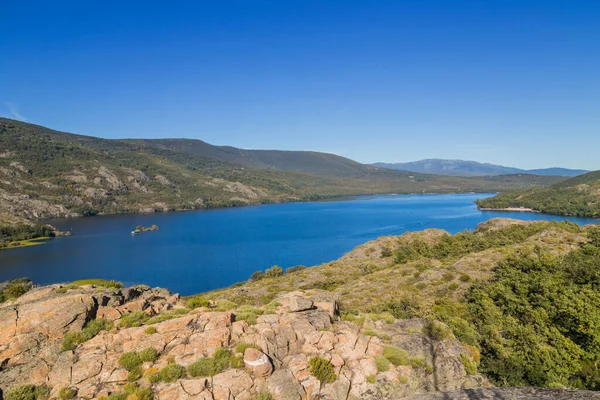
x=297, y=268
x=371, y=379
x=149, y=354
x=322, y=369
x=72, y=339
x=135, y=373
x=241, y=347
x=403, y=380
x=133, y=319
x=386, y=252
x=197, y=301
x=274, y=271
x=236, y=361
x=26, y=392
x=249, y=317
x=130, y=360
x=382, y=363
x=222, y=356
x=468, y=363
x=372, y=332
x=117, y=396
x=257, y=276
x=150, y=330
x=204, y=367
x=67, y=393
x=151, y=375
x=436, y=331
x=395, y=355
x=171, y=373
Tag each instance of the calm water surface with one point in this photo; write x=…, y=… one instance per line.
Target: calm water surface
x=204, y=250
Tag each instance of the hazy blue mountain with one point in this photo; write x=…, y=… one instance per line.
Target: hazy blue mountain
x=473, y=168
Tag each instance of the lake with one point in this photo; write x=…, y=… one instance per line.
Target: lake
x=202, y=250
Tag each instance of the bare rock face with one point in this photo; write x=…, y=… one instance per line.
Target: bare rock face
x=297, y=303
x=257, y=362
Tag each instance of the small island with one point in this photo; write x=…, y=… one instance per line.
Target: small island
x=140, y=229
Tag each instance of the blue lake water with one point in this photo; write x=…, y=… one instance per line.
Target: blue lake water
x=203, y=250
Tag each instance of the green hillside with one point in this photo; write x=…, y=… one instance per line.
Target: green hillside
x=578, y=196
x=46, y=173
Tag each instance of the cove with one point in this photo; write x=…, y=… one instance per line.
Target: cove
x=203, y=250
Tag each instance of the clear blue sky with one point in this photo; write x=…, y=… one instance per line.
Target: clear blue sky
x=509, y=82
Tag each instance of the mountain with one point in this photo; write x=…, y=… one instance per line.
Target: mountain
x=578, y=196
x=46, y=173
x=315, y=163
x=512, y=303
x=472, y=168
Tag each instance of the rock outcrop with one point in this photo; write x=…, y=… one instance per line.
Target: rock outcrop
x=276, y=358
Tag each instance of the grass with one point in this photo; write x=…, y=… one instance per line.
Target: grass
x=25, y=243
x=241, y=347
x=372, y=332
x=99, y=282
x=72, y=339
x=383, y=364
x=172, y=373
x=395, y=355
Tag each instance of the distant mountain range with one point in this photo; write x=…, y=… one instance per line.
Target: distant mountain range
x=473, y=168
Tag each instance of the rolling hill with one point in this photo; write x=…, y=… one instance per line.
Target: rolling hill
x=473, y=168
x=46, y=173
x=579, y=196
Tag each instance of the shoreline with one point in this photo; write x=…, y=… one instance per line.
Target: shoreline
x=511, y=209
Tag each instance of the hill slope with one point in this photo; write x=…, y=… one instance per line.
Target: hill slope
x=46, y=173
x=579, y=196
x=473, y=168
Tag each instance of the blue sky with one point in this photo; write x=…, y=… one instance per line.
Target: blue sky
x=509, y=82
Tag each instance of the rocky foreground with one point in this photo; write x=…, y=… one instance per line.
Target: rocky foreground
x=273, y=358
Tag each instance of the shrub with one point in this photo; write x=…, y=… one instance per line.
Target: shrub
x=371, y=379
x=468, y=363
x=72, y=339
x=249, y=317
x=395, y=355
x=386, y=252
x=117, y=396
x=405, y=308
x=241, y=347
x=130, y=360
x=171, y=373
x=464, y=278
x=403, y=380
x=448, y=276
x=297, y=268
x=274, y=271
x=150, y=330
x=24, y=392
x=436, y=331
x=197, y=301
x=148, y=354
x=371, y=332
x=222, y=357
x=322, y=369
x=151, y=375
x=135, y=373
x=133, y=319
x=382, y=363
x=67, y=393
x=236, y=361
x=257, y=276
x=204, y=367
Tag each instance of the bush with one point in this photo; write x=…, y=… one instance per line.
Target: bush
x=386, y=252
x=67, y=393
x=72, y=339
x=148, y=354
x=222, y=357
x=371, y=379
x=241, y=347
x=197, y=301
x=382, y=363
x=322, y=369
x=130, y=361
x=151, y=375
x=133, y=319
x=249, y=317
x=395, y=355
x=150, y=330
x=274, y=271
x=204, y=367
x=297, y=268
x=468, y=363
x=26, y=392
x=171, y=373
x=135, y=373
x=257, y=276
x=436, y=331
x=236, y=361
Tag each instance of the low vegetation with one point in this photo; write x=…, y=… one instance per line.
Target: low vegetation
x=11, y=290
x=322, y=369
x=72, y=339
